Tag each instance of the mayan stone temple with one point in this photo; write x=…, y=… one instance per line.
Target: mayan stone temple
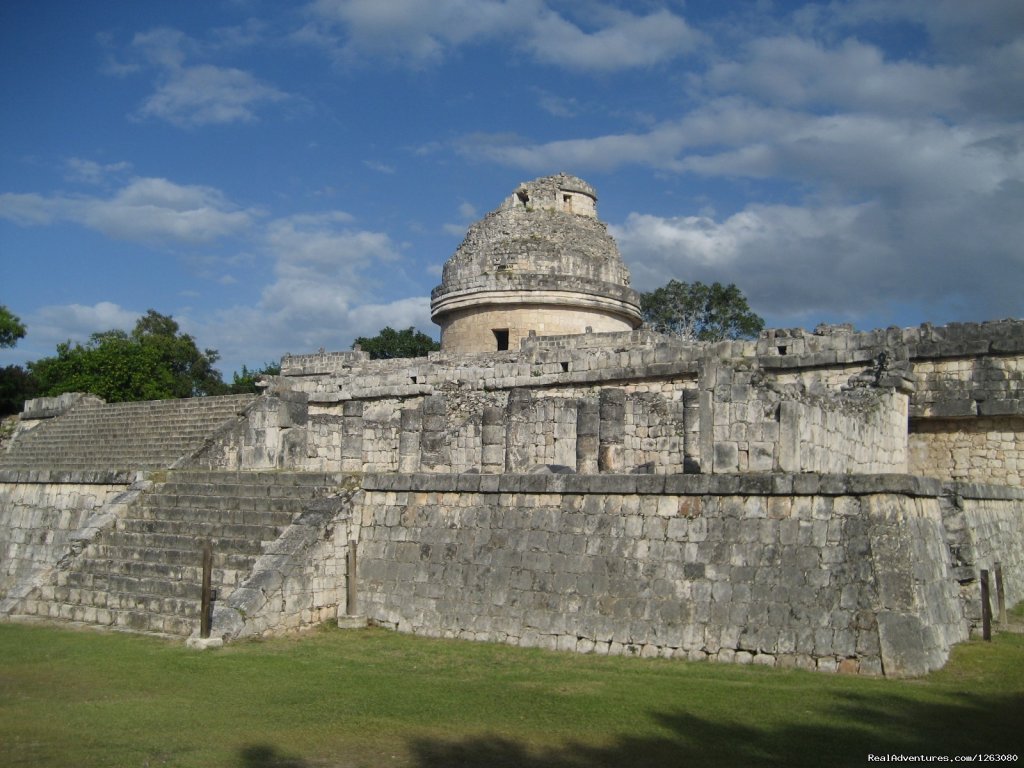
x=555, y=476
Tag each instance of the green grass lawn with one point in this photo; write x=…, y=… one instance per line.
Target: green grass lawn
x=377, y=698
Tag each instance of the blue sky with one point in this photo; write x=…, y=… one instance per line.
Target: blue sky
x=282, y=177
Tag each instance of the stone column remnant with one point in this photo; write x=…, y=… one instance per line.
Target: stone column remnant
x=434, y=435
x=691, y=431
x=612, y=431
x=492, y=440
x=352, y=436
x=588, y=427
x=409, y=440
x=517, y=432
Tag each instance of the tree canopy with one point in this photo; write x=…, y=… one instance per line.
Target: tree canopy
x=11, y=328
x=699, y=312
x=154, y=362
x=244, y=382
x=390, y=343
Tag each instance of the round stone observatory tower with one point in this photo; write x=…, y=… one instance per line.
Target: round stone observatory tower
x=541, y=262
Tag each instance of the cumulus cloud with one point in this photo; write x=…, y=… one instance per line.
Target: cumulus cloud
x=422, y=32
x=78, y=321
x=803, y=264
x=150, y=210
x=900, y=174
x=627, y=42
x=204, y=95
x=253, y=335
x=91, y=172
x=196, y=94
x=322, y=268
x=797, y=72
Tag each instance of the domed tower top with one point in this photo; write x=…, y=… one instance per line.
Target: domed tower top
x=561, y=192
x=542, y=262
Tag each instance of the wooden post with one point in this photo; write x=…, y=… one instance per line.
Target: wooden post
x=351, y=607
x=205, y=605
x=1000, y=595
x=986, y=609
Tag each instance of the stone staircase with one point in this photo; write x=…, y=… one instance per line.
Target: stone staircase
x=145, y=574
x=122, y=436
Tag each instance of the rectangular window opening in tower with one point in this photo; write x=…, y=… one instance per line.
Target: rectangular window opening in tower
x=501, y=337
x=567, y=203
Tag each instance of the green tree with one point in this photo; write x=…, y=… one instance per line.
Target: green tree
x=699, y=312
x=154, y=362
x=390, y=343
x=16, y=386
x=244, y=382
x=11, y=328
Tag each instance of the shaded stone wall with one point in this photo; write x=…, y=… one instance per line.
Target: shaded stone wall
x=868, y=573
x=984, y=526
x=802, y=571
x=300, y=580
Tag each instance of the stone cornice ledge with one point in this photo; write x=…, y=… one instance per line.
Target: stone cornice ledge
x=803, y=484
x=65, y=476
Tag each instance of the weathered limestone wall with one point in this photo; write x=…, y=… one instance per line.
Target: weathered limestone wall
x=273, y=435
x=814, y=571
x=979, y=450
x=857, y=436
x=39, y=512
x=983, y=384
x=762, y=426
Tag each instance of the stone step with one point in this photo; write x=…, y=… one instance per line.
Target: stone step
x=257, y=515
x=99, y=570
x=223, y=560
x=213, y=479
x=161, y=541
x=145, y=435
x=141, y=587
x=220, y=497
x=131, y=616
x=200, y=529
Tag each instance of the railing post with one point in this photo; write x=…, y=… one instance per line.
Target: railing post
x=204, y=609
x=351, y=606
x=986, y=608
x=1000, y=595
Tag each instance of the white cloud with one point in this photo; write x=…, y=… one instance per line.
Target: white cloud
x=414, y=32
x=373, y=165
x=192, y=95
x=422, y=32
x=53, y=324
x=91, y=172
x=558, y=106
x=27, y=209
x=791, y=71
x=629, y=42
x=205, y=95
x=957, y=29
x=803, y=264
x=321, y=266
x=150, y=210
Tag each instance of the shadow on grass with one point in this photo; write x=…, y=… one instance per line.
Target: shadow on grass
x=267, y=756
x=967, y=725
